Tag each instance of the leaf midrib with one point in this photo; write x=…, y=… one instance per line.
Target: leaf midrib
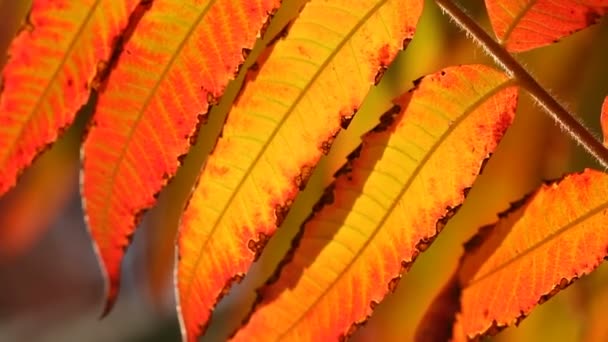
x=507, y=83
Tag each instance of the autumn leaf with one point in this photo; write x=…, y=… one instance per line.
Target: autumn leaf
x=386, y=206
x=539, y=246
x=527, y=24
x=285, y=119
x=534, y=250
x=53, y=63
x=175, y=66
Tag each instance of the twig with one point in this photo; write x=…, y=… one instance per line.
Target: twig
x=503, y=58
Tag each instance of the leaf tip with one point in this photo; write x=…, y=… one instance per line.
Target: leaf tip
x=112, y=284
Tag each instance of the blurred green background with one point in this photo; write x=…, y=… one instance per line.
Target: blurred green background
x=51, y=288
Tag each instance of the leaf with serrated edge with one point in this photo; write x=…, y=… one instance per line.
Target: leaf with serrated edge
x=536, y=249
x=523, y=25
x=285, y=119
x=49, y=74
x=386, y=205
x=175, y=66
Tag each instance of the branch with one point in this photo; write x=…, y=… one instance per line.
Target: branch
x=503, y=58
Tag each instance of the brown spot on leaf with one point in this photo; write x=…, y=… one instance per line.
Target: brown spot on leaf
x=417, y=81
x=387, y=119
x=212, y=100
x=346, y=119
x=302, y=178
x=406, y=42
x=392, y=284
x=281, y=211
x=484, y=162
x=423, y=244
x=201, y=119
x=326, y=199
x=245, y=53
x=519, y=318
x=441, y=223
x=352, y=329
x=494, y=329
x=347, y=168
x=326, y=145
x=379, y=74
x=563, y=283
x=257, y=246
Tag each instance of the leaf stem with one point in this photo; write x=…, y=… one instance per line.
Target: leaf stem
x=550, y=105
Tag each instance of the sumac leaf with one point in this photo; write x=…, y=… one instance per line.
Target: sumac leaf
x=386, y=206
x=539, y=246
x=313, y=81
x=175, y=66
x=536, y=249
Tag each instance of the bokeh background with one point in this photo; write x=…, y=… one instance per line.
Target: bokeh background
x=51, y=287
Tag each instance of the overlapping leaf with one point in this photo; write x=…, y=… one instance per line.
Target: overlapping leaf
x=386, y=205
x=286, y=118
x=538, y=247
x=527, y=24
x=175, y=66
x=52, y=64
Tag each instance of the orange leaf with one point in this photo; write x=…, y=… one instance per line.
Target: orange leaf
x=175, y=66
x=538, y=247
x=285, y=119
x=527, y=24
x=48, y=77
x=387, y=205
